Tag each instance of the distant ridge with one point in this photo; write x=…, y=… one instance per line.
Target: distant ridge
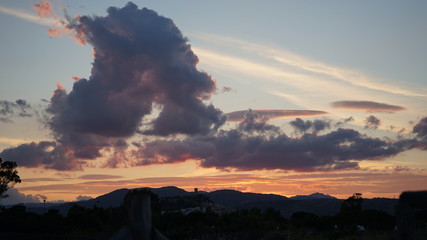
x=317, y=203
x=115, y=198
x=313, y=196
x=233, y=198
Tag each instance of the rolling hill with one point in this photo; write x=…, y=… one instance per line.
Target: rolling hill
x=316, y=203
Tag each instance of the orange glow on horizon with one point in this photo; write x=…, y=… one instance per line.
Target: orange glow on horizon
x=338, y=184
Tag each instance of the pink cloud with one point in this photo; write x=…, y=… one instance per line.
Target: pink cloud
x=44, y=9
x=54, y=32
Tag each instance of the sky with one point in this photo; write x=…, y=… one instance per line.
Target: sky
x=284, y=97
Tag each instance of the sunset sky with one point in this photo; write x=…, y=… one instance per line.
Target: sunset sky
x=284, y=97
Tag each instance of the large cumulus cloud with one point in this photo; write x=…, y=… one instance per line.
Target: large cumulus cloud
x=141, y=60
x=142, y=63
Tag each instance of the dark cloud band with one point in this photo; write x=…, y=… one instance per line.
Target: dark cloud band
x=270, y=148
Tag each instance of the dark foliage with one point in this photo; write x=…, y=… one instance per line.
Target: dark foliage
x=181, y=202
x=243, y=224
x=204, y=222
x=8, y=176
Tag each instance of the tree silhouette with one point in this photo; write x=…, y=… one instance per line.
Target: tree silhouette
x=353, y=205
x=351, y=211
x=8, y=176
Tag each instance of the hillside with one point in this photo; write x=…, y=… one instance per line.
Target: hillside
x=312, y=196
x=318, y=204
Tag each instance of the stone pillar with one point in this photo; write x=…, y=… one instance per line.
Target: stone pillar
x=137, y=204
x=405, y=213
x=405, y=220
x=138, y=208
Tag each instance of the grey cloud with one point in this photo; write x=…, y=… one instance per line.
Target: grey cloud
x=420, y=131
x=29, y=154
x=349, y=119
x=9, y=109
x=71, y=141
x=176, y=120
x=372, y=122
x=83, y=198
x=315, y=126
x=254, y=122
x=344, y=121
x=300, y=125
x=226, y=89
x=16, y=197
x=141, y=60
x=45, y=153
x=339, y=149
x=237, y=149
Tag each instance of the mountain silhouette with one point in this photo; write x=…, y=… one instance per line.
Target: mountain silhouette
x=312, y=196
x=115, y=198
x=317, y=203
x=233, y=198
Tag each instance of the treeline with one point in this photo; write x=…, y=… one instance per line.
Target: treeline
x=79, y=221
x=99, y=223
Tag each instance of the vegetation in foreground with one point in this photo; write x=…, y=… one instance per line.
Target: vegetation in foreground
x=97, y=223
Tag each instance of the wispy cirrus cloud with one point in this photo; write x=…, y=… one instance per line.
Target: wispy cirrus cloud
x=99, y=176
x=304, y=89
x=46, y=16
x=249, y=67
x=310, y=66
x=30, y=17
x=42, y=179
